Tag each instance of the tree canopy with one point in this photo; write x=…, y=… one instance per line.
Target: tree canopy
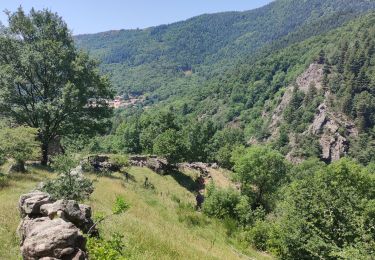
x=46, y=83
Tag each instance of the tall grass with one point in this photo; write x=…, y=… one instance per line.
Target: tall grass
x=160, y=224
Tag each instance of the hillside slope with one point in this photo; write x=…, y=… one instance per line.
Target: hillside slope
x=144, y=60
x=324, y=84
x=160, y=224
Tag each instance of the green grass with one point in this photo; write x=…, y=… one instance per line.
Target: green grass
x=160, y=224
x=9, y=215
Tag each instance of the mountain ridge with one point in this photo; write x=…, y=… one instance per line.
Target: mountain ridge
x=207, y=43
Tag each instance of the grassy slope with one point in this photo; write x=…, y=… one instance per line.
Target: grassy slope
x=155, y=227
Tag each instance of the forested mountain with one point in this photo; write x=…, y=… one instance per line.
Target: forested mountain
x=312, y=98
x=147, y=59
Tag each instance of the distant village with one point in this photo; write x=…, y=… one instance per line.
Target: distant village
x=123, y=101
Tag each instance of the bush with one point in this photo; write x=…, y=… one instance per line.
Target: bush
x=120, y=206
x=169, y=145
x=20, y=144
x=111, y=249
x=70, y=184
x=261, y=172
x=246, y=215
x=3, y=180
x=259, y=234
x=221, y=203
x=120, y=161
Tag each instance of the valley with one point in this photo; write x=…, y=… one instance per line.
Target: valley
x=233, y=135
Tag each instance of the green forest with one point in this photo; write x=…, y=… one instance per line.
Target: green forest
x=259, y=126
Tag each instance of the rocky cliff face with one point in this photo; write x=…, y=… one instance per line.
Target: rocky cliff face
x=52, y=229
x=312, y=76
x=332, y=129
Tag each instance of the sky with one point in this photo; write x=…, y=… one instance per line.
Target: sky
x=91, y=16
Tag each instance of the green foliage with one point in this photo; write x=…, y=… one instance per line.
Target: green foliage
x=169, y=145
x=328, y=214
x=120, y=206
x=70, y=183
x=106, y=249
x=20, y=144
x=221, y=203
x=247, y=216
x=258, y=235
x=4, y=181
x=119, y=160
x=46, y=83
x=129, y=137
x=260, y=171
x=156, y=58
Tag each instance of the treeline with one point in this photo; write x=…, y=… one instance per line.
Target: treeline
x=170, y=134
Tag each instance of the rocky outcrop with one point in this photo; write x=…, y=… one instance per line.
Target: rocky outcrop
x=333, y=130
x=69, y=210
x=29, y=204
x=103, y=163
x=53, y=229
x=313, y=76
x=54, y=238
x=158, y=165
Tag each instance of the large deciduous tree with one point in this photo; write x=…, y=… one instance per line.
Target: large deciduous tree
x=46, y=83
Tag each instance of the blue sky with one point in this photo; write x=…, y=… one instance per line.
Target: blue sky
x=90, y=16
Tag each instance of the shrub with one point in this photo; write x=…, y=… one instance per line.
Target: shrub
x=245, y=214
x=120, y=206
x=120, y=161
x=258, y=235
x=3, y=180
x=221, y=203
x=261, y=172
x=20, y=144
x=329, y=213
x=169, y=145
x=70, y=183
x=111, y=249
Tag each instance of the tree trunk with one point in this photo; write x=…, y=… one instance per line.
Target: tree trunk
x=20, y=166
x=44, y=153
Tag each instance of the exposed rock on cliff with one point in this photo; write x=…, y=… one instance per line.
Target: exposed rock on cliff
x=313, y=76
x=333, y=129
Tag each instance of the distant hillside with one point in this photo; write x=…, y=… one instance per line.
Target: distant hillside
x=314, y=98
x=145, y=60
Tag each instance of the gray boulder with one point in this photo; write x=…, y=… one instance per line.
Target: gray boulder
x=29, y=204
x=69, y=210
x=45, y=238
x=51, y=229
x=159, y=166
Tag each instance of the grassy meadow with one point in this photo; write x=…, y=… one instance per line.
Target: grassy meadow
x=160, y=224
